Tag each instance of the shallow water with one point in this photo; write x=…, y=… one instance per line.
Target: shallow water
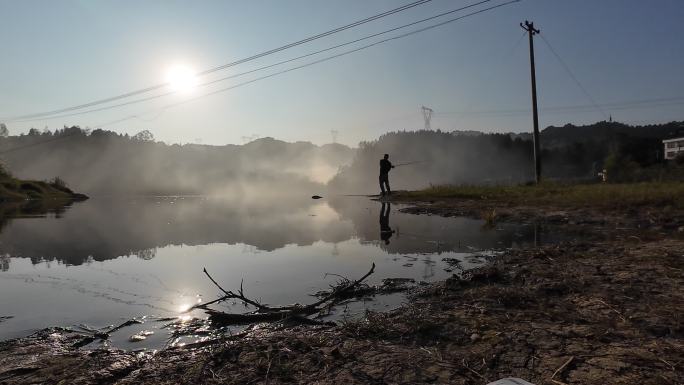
x=106, y=260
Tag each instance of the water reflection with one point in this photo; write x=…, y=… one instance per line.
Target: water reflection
x=385, y=229
x=109, y=259
x=103, y=229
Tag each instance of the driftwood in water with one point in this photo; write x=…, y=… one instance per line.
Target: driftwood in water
x=265, y=313
x=101, y=334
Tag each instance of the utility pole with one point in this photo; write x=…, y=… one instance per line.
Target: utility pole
x=531, y=31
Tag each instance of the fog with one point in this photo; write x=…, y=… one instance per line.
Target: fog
x=437, y=158
x=103, y=163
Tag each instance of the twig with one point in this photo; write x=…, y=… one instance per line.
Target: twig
x=231, y=295
x=339, y=291
x=478, y=374
x=268, y=370
x=266, y=313
x=336, y=275
x=613, y=309
x=668, y=364
x=561, y=368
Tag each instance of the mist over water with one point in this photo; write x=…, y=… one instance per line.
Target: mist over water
x=106, y=163
x=106, y=260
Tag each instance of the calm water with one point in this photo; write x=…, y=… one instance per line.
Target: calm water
x=104, y=261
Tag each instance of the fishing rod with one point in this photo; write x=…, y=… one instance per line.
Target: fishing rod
x=409, y=163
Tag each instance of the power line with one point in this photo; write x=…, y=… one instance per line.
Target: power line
x=574, y=78
x=231, y=64
x=324, y=59
x=494, y=113
x=430, y=27
x=260, y=68
x=627, y=105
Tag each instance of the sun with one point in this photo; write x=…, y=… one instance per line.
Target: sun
x=181, y=78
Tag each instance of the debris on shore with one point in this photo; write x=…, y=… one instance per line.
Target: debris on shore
x=576, y=313
x=604, y=307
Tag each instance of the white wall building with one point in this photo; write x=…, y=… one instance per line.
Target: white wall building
x=673, y=147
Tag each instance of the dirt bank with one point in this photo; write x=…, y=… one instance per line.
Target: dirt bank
x=648, y=217
x=605, y=309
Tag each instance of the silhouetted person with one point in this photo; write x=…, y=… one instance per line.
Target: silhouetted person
x=385, y=167
x=385, y=229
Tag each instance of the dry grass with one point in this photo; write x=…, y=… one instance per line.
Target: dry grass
x=590, y=195
x=15, y=189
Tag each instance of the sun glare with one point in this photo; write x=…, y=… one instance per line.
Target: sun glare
x=181, y=78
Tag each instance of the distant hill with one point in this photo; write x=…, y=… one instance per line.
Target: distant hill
x=568, y=152
x=104, y=162
x=606, y=132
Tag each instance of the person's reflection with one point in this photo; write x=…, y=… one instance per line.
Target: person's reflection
x=385, y=229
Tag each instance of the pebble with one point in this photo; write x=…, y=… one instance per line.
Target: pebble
x=474, y=337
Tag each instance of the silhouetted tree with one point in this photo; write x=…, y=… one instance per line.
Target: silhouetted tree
x=144, y=136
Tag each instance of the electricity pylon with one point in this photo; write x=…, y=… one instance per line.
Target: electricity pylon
x=427, y=116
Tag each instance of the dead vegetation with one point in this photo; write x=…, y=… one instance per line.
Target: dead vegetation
x=344, y=289
x=576, y=313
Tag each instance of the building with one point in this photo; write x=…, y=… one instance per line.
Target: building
x=673, y=147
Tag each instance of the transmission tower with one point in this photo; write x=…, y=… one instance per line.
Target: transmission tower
x=427, y=116
x=334, y=135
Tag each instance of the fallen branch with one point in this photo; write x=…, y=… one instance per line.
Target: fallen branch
x=231, y=295
x=100, y=334
x=340, y=290
x=265, y=313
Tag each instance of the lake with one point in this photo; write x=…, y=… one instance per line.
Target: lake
x=106, y=260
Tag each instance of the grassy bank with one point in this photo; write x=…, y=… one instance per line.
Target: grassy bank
x=584, y=195
x=13, y=189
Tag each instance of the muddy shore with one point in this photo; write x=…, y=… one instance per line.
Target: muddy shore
x=607, y=307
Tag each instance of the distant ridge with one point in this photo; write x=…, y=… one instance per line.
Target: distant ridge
x=553, y=136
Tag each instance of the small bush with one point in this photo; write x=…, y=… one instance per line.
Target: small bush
x=58, y=183
x=4, y=173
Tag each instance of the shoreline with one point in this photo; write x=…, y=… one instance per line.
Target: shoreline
x=602, y=309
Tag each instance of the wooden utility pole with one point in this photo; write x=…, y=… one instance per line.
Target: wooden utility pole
x=531, y=31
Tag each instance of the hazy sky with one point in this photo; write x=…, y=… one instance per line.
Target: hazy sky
x=61, y=53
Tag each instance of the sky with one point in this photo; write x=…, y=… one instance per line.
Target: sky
x=474, y=73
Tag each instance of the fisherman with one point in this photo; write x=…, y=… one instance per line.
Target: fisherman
x=385, y=167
